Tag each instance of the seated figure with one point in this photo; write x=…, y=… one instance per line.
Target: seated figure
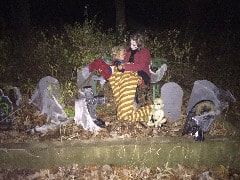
x=157, y=117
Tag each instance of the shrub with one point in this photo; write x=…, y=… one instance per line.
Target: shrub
x=4, y=58
x=60, y=54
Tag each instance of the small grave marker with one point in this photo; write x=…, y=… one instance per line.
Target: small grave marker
x=172, y=94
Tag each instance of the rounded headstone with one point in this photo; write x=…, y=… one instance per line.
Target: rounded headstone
x=172, y=94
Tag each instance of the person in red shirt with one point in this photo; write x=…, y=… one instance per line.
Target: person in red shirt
x=137, y=58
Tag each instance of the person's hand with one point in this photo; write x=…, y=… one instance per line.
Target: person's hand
x=140, y=81
x=120, y=68
x=97, y=72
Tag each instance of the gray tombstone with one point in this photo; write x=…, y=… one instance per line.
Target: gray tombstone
x=172, y=94
x=86, y=78
x=46, y=97
x=204, y=90
x=206, y=102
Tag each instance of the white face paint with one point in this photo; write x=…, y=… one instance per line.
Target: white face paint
x=133, y=45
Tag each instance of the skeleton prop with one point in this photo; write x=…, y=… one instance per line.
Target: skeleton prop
x=157, y=116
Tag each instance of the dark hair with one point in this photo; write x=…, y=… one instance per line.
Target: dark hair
x=138, y=38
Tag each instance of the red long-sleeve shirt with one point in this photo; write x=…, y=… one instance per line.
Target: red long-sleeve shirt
x=142, y=60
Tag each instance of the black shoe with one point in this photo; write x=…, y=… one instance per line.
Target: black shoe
x=199, y=136
x=100, y=123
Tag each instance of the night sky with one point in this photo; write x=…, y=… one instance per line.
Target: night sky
x=214, y=14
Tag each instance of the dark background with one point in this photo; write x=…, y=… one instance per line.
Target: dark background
x=209, y=15
x=212, y=24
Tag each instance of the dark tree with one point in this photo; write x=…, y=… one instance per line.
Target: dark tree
x=18, y=15
x=18, y=25
x=193, y=12
x=120, y=14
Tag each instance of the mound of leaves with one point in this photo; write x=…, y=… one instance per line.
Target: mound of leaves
x=28, y=117
x=76, y=171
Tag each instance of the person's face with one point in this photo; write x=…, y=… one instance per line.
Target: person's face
x=122, y=54
x=133, y=45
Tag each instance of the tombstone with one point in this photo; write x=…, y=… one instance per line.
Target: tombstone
x=46, y=98
x=83, y=77
x=204, y=90
x=172, y=94
x=6, y=109
x=86, y=78
x=205, y=104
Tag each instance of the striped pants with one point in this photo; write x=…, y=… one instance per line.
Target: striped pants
x=124, y=88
